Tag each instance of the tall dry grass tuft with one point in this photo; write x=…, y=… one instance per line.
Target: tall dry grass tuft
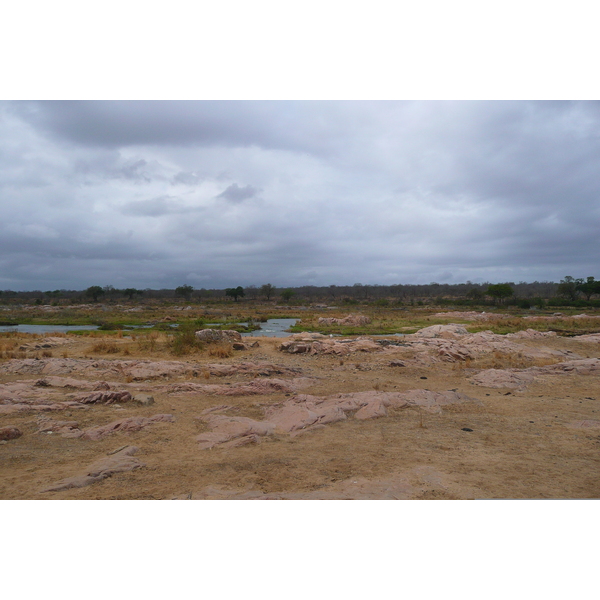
x=104, y=347
x=221, y=350
x=148, y=343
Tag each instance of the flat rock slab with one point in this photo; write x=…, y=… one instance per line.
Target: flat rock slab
x=585, y=424
x=520, y=378
x=127, y=425
x=119, y=462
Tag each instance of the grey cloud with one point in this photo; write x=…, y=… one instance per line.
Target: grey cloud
x=154, y=207
x=187, y=178
x=135, y=170
x=235, y=193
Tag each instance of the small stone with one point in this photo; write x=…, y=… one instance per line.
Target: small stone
x=466, y=429
x=144, y=399
x=423, y=377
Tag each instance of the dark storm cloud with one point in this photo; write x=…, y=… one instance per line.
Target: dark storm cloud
x=266, y=124
x=237, y=193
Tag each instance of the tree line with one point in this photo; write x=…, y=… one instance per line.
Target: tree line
x=568, y=290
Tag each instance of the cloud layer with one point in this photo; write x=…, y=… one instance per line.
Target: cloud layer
x=219, y=194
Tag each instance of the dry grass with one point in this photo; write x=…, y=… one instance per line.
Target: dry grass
x=148, y=343
x=104, y=347
x=506, y=360
x=221, y=350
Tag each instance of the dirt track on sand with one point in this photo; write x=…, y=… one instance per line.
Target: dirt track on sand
x=429, y=428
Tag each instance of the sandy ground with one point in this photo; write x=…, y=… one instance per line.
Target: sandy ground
x=540, y=440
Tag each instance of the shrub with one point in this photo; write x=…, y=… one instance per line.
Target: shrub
x=184, y=341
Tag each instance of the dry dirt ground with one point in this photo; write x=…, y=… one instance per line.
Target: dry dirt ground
x=284, y=426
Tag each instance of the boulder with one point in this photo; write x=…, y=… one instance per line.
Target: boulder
x=143, y=399
x=10, y=433
x=218, y=335
x=351, y=320
x=442, y=331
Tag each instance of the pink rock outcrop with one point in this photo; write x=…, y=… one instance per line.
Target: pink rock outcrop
x=105, y=398
x=305, y=412
x=302, y=344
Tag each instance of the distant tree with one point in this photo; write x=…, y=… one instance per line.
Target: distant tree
x=589, y=288
x=131, y=292
x=475, y=294
x=251, y=291
x=235, y=293
x=267, y=290
x=286, y=295
x=94, y=292
x=568, y=287
x=185, y=291
x=499, y=291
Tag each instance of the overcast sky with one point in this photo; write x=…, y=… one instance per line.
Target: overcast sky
x=219, y=194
